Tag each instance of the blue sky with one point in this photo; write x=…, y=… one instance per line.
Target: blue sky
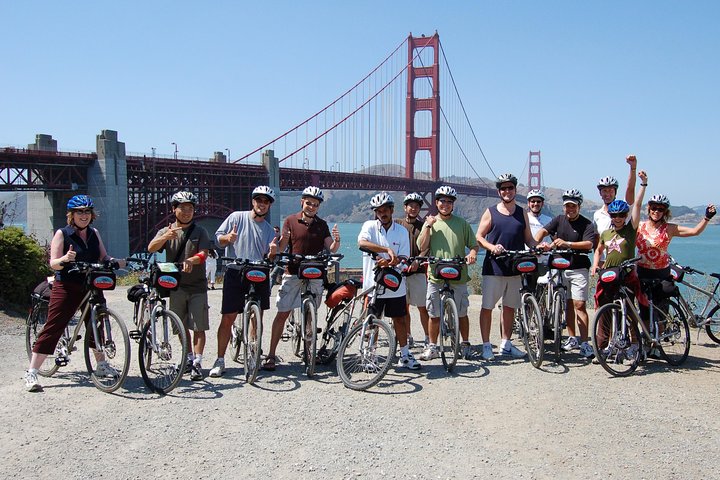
x=584, y=82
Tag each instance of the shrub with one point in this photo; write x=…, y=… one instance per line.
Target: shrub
x=23, y=264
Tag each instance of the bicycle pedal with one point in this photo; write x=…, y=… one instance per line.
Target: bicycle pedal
x=285, y=337
x=61, y=361
x=135, y=334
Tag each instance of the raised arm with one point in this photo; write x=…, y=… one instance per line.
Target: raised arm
x=630, y=189
x=675, y=230
x=637, y=206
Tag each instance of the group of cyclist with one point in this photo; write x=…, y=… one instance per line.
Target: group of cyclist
x=614, y=233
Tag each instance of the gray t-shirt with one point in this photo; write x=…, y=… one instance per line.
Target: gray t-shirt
x=193, y=282
x=253, y=240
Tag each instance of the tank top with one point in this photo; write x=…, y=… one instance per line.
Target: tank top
x=85, y=251
x=509, y=231
x=653, y=247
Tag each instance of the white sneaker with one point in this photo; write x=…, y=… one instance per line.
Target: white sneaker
x=218, y=368
x=632, y=352
x=586, y=350
x=570, y=344
x=430, y=353
x=512, y=351
x=196, y=373
x=31, y=382
x=487, y=353
x=105, y=370
x=409, y=362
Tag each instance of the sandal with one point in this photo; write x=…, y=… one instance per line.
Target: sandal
x=269, y=363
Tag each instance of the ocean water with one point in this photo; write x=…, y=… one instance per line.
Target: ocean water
x=697, y=252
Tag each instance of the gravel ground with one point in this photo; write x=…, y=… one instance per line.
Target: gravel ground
x=502, y=418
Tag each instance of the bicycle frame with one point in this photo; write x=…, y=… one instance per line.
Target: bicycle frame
x=713, y=299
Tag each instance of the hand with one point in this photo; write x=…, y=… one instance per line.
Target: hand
x=643, y=176
x=187, y=266
x=593, y=270
x=430, y=220
x=413, y=266
x=273, y=247
x=632, y=161
x=471, y=258
x=335, y=233
x=233, y=235
x=710, y=211
x=172, y=232
x=70, y=255
x=393, y=260
x=497, y=249
x=544, y=246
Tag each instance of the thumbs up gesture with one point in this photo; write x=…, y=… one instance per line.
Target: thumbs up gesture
x=233, y=235
x=273, y=247
x=70, y=255
x=171, y=233
x=335, y=233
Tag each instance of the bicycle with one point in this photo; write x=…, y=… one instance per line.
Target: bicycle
x=246, y=332
x=709, y=316
x=310, y=267
x=552, y=297
x=163, y=344
x=528, y=317
x=340, y=301
x=106, y=335
x=366, y=353
x=618, y=344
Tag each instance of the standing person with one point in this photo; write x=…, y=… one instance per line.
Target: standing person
x=504, y=226
x=77, y=241
x=245, y=235
x=446, y=236
x=306, y=234
x=607, y=188
x=574, y=231
x=536, y=202
x=390, y=240
x=187, y=242
x=416, y=279
x=211, y=267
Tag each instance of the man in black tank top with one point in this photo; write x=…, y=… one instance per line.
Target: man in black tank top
x=504, y=226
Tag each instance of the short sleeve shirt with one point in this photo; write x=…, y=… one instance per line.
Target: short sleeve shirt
x=619, y=245
x=579, y=230
x=396, y=237
x=254, y=238
x=194, y=281
x=450, y=238
x=305, y=238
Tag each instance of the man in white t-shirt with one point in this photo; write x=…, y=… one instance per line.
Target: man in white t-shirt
x=608, y=187
x=390, y=240
x=536, y=202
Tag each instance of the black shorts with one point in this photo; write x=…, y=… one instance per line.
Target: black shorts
x=235, y=289
x=391, y=307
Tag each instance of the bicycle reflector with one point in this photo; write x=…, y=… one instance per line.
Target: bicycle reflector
x=256, y=276
x=526, y=264
x=559, y=262
x=611, y=275
x=103, y=282
x=310, y=270
x=167, y=281
x=447, y=271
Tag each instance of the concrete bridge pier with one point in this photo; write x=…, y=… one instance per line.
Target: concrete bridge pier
x=45, y=210
x=107, y=185
x=271, y=164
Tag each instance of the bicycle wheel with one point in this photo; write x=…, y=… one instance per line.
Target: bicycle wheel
x=449, y=338
x=296, y=336
x=558, y=315
x=615, y=350
x=33, y=326
x=309, y=336
x=113, y=349
x=162, y=352
x=236, y=339
x=252, y=340
x=366, y=353
x=674, y=332
x=532, y=329
x=713, y=327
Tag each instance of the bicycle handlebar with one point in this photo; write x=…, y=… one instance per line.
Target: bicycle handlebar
x=86, y=266
x=685, y=269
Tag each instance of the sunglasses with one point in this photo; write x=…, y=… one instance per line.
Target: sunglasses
x=657, y=208
x=84, y=211
x=446, y=200
x=618, y=215
x=506, y=189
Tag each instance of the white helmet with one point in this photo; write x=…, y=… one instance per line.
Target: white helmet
x=446, y=191
x=536, y=193
x=413, y=197
x=608, y=182
x=313, y=192
x=381, y=199
x=504, y=178
x=660, y=199
x=573, y=195
x=183, y=197
x=264, y=190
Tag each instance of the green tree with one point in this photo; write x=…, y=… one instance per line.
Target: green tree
x=23, y=264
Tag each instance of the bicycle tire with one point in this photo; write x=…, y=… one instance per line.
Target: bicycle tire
x=236, y=339
x=163, y=369
x=612, y=354
x=309, y=336
x=449, y=338
x=713, y=328
x=33, y=326
x=675, y=333
x=115, y=345
x=296, y=338
x=533, y=335
x=558, y=313
x=252, y=346
x=365, y=357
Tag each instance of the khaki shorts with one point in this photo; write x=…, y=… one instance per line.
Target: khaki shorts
x=417, y=285
x=192, y=308
x=289, y=294
x=576, y=281
x=462, y=300
x=496, y=287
